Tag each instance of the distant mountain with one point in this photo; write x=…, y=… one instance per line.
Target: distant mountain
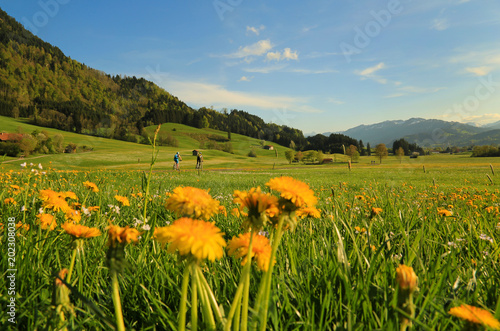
x=494, y=125
x=425, y=133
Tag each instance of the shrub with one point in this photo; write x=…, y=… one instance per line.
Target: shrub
x=252, y=153
x=70, y=148
x=290, y=155
x=9, y=149
x=228, y=148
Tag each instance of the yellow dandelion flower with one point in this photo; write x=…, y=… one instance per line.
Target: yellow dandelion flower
x=375, y=211
x=261, y=249
x=22, y=225
x=62, y=274
x=118, y=235
x=10, y=201
x=80, y=231
x=69, y=195
x=53, y=200
x=73, y=216
x=257, y=205
x=93, y=208
x=222, y=210
x=192, y=202
x=406, y=278
x=237, y=212
x=444, y=212
x=295, y=191
x=195, y=238
x=91, y=186
x=489, y=209
x=360, y=230
x=123, y=200
x=308, y=212
x=475, y=315
x=47, y=221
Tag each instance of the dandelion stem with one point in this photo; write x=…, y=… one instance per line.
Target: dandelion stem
x=153, y=161
x=246, y=282
x=267, y=288
x=182, y=308
x=208, y=314
x=194, y=299
x=120, y=325
x=71, y=266
x=235, y=304
x=210, y=296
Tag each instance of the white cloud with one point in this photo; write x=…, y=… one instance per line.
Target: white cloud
x=479, y=63
x=310, y=71
x=415, y=89
x=273, y=56
x=245, y=79
x=440, y=24
x=315, y=55
x=482, y=119
x=371, y=70
x=309, y=28
x=335, y=101
x=395, y=95
x=257, y=49
x=479, y=71
x=255, y=30
x=267, y=69
x=370, y=73
x=204, y=94
x=287, y=54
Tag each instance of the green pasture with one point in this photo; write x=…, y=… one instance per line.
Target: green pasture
x=329, y=274
x=337, y=272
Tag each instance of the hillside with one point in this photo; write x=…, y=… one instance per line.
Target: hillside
x=107, y=153
x=37, y=81
x=425, y=133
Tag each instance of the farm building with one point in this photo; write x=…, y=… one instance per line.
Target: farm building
x=328, y=160
x=10, y=136
x=269, y=147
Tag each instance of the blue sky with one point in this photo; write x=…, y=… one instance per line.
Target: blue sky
x=313, y=65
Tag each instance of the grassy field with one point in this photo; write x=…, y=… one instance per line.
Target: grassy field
x=115, y=154
x=335, y=272
x=438, y=214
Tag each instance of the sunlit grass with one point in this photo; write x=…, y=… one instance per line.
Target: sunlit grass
x=336, y=272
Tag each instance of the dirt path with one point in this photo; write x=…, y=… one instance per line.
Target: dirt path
x=23, y=159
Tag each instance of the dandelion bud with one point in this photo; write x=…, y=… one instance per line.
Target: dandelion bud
x=406, y=278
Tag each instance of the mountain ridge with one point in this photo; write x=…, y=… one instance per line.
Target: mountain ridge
x=425, y=133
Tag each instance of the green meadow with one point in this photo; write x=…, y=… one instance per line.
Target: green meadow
x=439, y=215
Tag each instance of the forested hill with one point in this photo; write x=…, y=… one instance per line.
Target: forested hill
x=39, y=82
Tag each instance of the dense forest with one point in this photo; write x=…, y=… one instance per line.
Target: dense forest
x=37, y=81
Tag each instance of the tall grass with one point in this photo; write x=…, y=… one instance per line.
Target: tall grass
x=336, y=272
